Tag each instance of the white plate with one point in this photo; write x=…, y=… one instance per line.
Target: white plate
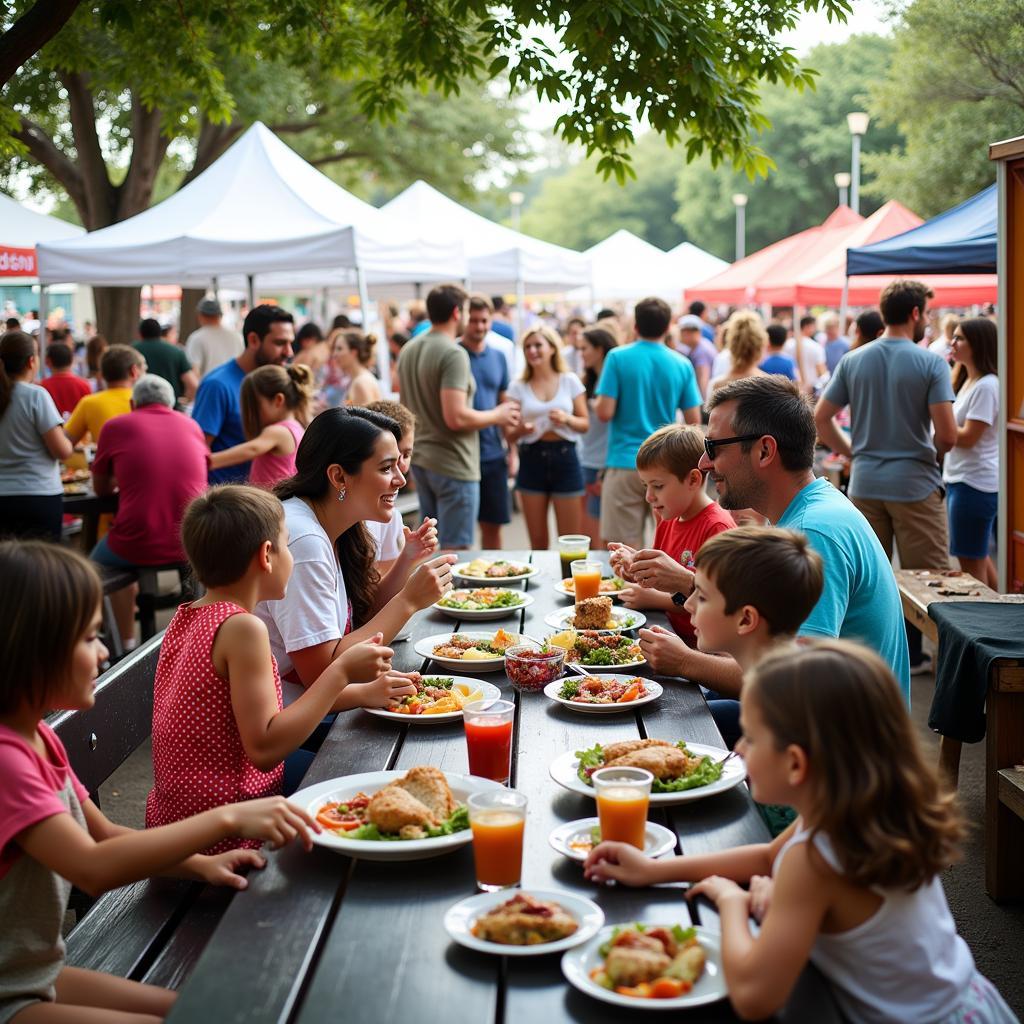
x=654, y=691
x=313, y=798
x=459, y=572
x=564, y=617
x=658, y=840
x=488, y=691
x=459, y=920
x=561, y=588
x=425, y=648
x=578, y=963
x=563, y=771
x=485, y=614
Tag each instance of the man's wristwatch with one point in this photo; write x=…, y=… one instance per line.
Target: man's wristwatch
x=679, y=599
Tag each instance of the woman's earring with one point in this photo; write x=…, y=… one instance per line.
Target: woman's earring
x=341, y=494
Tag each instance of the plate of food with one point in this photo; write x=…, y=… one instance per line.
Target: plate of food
x=605, y=694
x=437, y=699
x=649, y=966
x=610, y=585
x=485, y=652
x=575, y=839
x=523, y=923
x=483, y=603
x=598, y=652
x=682, y=771
x=596, y=614
x=499, y=569
x=393, y=815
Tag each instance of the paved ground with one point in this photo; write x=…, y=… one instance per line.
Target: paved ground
x=994, y=933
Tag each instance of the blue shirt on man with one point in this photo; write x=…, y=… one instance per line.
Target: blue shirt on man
x=490, y=371
x=834, y=351
x=649, y=382
x=504, y=329
x=860, y=600
x=779, y=364
x=218, y=411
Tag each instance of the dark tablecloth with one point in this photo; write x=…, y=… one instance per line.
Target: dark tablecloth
x=972, y=637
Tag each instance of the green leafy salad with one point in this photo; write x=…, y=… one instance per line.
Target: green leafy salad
x=457, y=821
x=481, y=599
x=699, y=771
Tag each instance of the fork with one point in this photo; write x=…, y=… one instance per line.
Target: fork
x=728, y=757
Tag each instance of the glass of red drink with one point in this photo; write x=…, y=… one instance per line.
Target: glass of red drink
x=489, y=738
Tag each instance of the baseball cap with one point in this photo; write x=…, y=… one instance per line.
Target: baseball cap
x=209, y=307
x=690, y=322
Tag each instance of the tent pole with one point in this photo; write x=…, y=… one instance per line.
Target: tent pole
x=43, y=313
x=843, y=304
x=214, y=286
x=520, y=299
x=252, y=290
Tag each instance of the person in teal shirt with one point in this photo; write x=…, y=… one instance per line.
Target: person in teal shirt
x=641, y=388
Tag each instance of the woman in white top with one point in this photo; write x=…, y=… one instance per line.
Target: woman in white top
x=32, y=440
x=971, y=467
x=553, y=404
x=353, y=356
x=745, y=341
x=855, y=884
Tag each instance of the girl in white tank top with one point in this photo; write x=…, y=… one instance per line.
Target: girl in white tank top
x=854, y=883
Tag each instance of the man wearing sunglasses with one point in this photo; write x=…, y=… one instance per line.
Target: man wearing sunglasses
x=759, y=451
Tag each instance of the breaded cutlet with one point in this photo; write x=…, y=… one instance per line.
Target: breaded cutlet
x=663, y=762
x=614, y=750
x=428, y=785
x=393, y=808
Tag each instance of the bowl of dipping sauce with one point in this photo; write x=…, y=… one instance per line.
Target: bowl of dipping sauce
x=530, y=669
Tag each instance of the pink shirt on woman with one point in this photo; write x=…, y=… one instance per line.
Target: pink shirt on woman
x=270, y=469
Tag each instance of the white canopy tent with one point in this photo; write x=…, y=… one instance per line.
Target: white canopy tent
x=691, y=264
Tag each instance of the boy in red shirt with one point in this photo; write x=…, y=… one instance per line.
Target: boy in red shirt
x=662, y=577
x=64, y=386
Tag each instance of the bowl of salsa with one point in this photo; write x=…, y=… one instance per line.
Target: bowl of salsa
x=530, y=669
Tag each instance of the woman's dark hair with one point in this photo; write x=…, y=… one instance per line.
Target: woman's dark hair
x=307, y=332
x=16, y=349
x=346, y=438
x=605, y=341
x=94, y=349
x=869, y=326
x=981, y=335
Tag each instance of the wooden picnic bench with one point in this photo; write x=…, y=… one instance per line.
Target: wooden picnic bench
x=1004, y=726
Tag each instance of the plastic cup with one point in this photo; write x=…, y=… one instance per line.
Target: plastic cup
x=623, y=796
x=587, y=578
x=572, y=547
x=488, y=725
x=498, y=820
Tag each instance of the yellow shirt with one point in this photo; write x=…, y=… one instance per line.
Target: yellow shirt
x=93, y=411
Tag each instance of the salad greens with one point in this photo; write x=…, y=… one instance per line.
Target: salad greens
x=463, y=600
x=570, y=688
x=457, y=821
x=703, y=775
x=679, y=933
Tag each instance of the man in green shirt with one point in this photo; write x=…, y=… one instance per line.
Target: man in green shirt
x=167, y=361
x=437, y=387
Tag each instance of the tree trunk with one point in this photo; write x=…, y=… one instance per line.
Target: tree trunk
x=117, y=314
x=187, y=320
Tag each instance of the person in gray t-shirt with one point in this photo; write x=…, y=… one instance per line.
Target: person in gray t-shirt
x=897, y=392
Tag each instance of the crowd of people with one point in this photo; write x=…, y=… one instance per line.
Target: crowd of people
x=279, y=489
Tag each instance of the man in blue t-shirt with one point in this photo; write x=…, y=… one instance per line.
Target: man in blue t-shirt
x=641, y=388
x=761, y=435
x=777, y=361
x=268, y=332
x=500, y=323
x=490, y=370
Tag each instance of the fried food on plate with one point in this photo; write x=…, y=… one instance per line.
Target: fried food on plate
x=408, y=805
x=662, y=762
x=525, y=921
x=614, y=750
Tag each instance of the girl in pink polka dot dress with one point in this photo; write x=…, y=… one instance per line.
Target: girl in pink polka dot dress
x=220, y=733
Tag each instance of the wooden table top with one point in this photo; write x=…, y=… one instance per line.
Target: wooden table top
x=320, y=937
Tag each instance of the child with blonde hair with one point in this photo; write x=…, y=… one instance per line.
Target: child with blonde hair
x=276, y=403
x=854, y=882
x=52, y=835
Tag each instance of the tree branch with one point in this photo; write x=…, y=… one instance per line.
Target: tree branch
x=213, y=140
x=335, y=158
x=31, y=32
x=44, y=150
x=149, y=145
x=99, y=194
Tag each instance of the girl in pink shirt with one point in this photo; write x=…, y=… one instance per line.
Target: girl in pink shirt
x=52, y=835
x=275, y=411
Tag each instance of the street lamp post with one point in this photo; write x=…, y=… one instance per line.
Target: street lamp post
x=858, y=124
x=842, y=180
x=516, y=199
x=739, y=200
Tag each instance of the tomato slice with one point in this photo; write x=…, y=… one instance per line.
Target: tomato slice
x=331, y=816
x=631, y=694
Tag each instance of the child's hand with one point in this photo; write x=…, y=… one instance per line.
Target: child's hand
x=665, y=652
x=619, y=862
x=636, y=597
x=430, y=581
x=273, y=819
x=422, y=541
x=719, y=890
x=761, y=887
x=388, y=687
x=660, y=571
x=223, y=868
x=621, y=560
x=366, y=660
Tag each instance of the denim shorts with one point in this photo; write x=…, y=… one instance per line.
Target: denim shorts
x=494, y=503
x=591, y=477
x=972, y=514
x=550, y=467
x=453, y=503
x=102, y=555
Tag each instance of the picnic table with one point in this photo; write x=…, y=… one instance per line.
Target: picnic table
x=85, y=502
x=320, y=937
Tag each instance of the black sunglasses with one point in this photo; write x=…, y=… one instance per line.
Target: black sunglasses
x=711, y=446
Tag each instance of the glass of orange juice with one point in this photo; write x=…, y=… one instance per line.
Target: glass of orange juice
x=586, y=576
x=497, y=818
x=623, y=795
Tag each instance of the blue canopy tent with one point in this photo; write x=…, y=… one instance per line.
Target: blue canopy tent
x=959, y=241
